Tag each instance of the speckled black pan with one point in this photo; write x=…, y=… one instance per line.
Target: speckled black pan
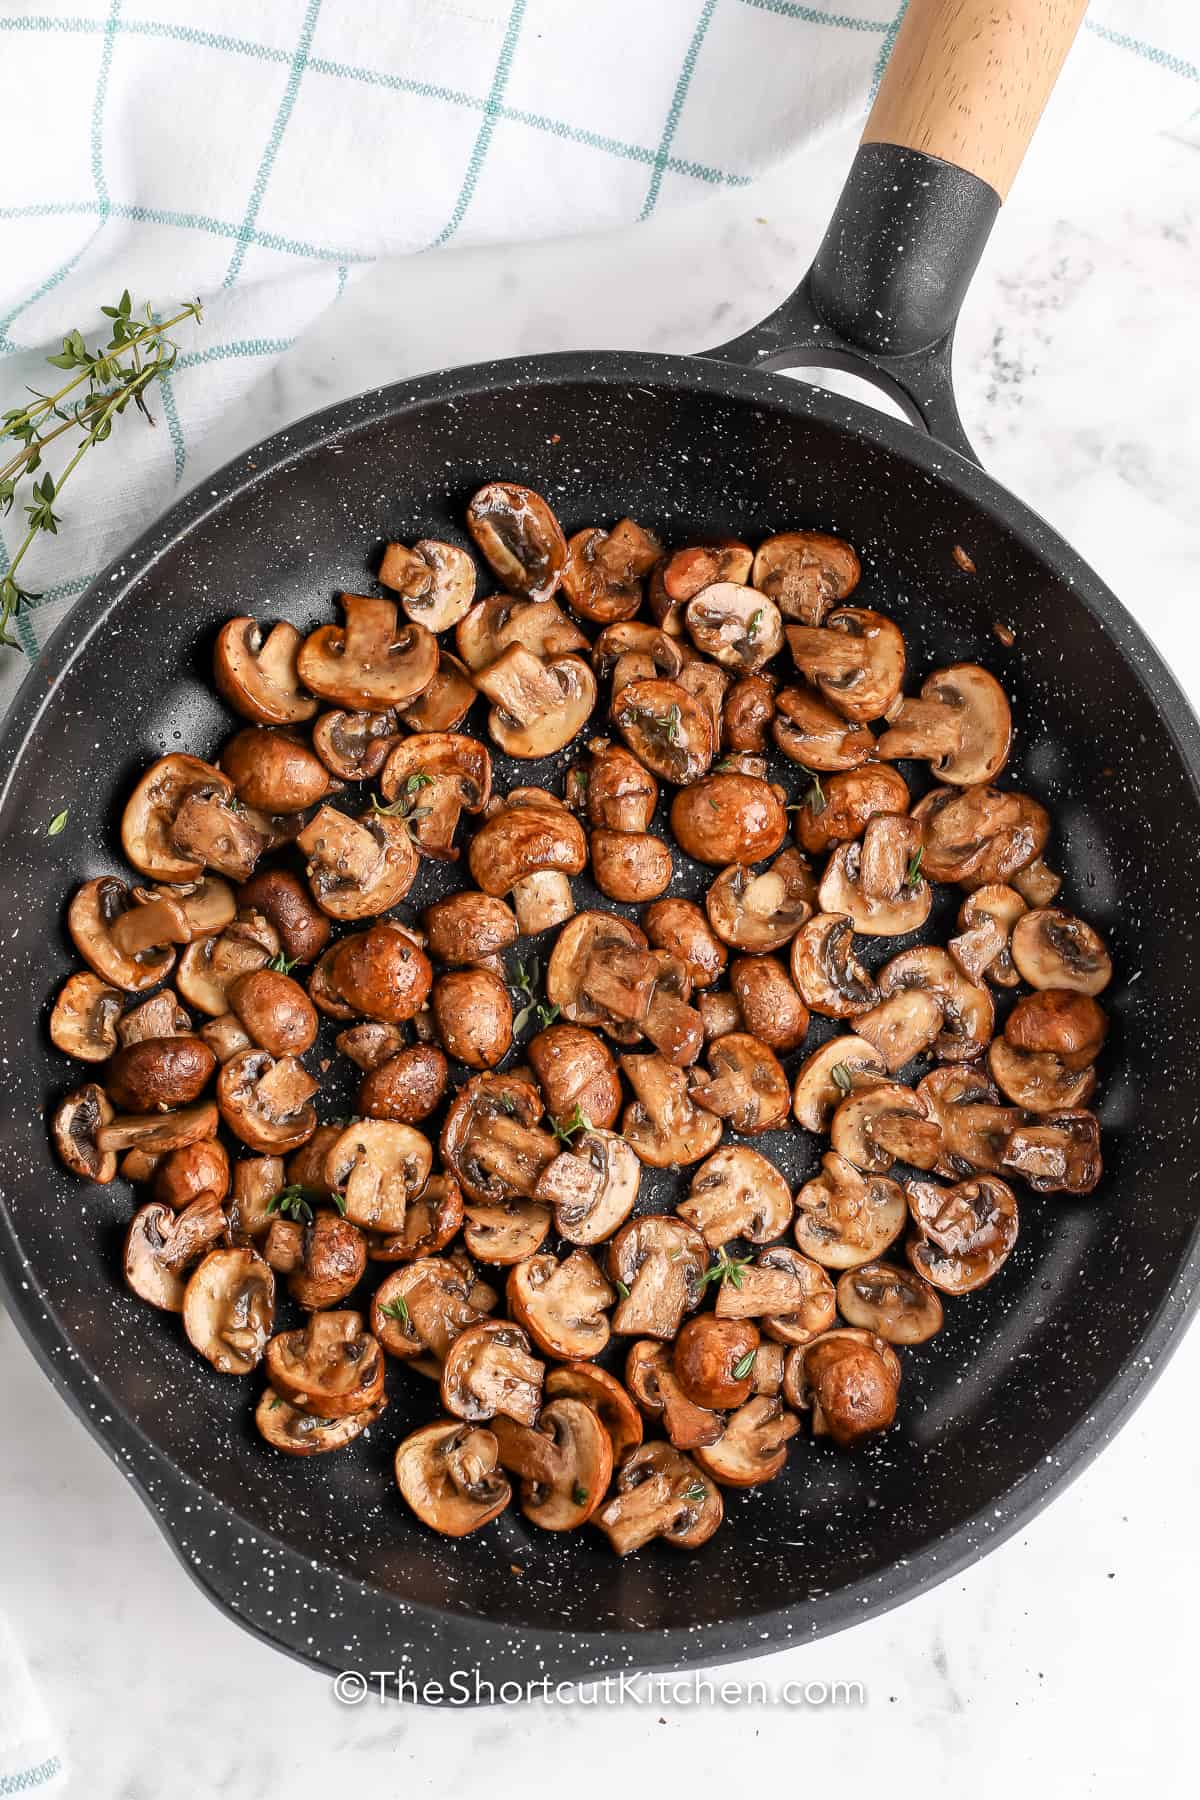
x=1031, y=1375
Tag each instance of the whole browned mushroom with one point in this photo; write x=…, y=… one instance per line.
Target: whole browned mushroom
x=660, y=1493
x=331, y=1367
x=577, y=1075
x=851, y=1380
x=276, y=771
x=84, y=1021
x=406, y=1087
x=257, y=676
x=470, y=929
x=274, y=1011
x=372, y=662
x=227, y=1309
x=845, y=1217
x=285, y=902
x=737, y=1194
x=382, y=973
x=474, y=1016
x=520, y=537
x=806, y=573
x=612, y=789
x=449, y=1475
x=325, y=1263
x=728, y=819
x=191, y=1170
x=713, y=1360
x=630, y=866
x=159, y=1073
x=771, y=1007
x=529, y=852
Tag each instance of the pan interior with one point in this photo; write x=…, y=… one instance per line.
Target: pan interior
x=1019, y=1364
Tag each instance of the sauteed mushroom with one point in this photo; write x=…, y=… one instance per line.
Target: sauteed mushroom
x=806, y=573
x=577, y=1075
x=528, y=852
x=606, y=1397
x=299, y=1433
x=592, y=1187
x=159, y=1016
x=663, y=1124
x=736, y=625
x=968, y=1013
x=737, y=1194
x=84, y=1021
x=753, y=1447
x=435, y=581
x=159, y=1073
x=1053, y=950
x=520, y=538
x=193, y=1169
x=474, y=1016
x=160, y=1244
x=355, y=745
x=537, y=707
x=565, y=1463
x=468, y=929
x=831, y=1073
x=890, y=1301
x=656, y=1388
x=856, y=659
x=983, y=948
x=845, y=1217
x=358, y=867
x=961, y=724
x=282, y=899
x=728, y=819
x=603, y=574
x=332, y=1367
x=965, y=1233
x=824, y=967
x=762, y=912
x=851, y=1381
x=489, y=1370
x=630, y=866
x=887, y=1123
x=490, y=1141
x=667, y=728
x=257, y=676
x=438, y=775
x=1058, y=1153
x=129, y=947
x=812, y=733
x=879, y=882
x=791, y=1295
x=561, y=1304
x=407, y=1087
x=227, y=1309
x=660, y=1493
x=713, y=1361
x=77, y=1121
x=449, y=1475
x=371, y=663
x=265, y=1101
x=274, y=770
x=207, y=970
x=978, y=836
x=657, y=1264
x=494, y=624
x=838, y=809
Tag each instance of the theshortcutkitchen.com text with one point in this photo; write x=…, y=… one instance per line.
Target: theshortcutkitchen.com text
x=474, y=1687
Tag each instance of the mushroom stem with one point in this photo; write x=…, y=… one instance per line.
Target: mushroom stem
x=642, y=1513
x=150, y=927
x=542, y=900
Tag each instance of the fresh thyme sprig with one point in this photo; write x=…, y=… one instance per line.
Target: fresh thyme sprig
x=293, y=1202
x=525, y=979
x=725, y=1268
x=104, y=384
x=565, y=1129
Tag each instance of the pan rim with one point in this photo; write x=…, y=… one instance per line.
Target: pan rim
x=578, y=1655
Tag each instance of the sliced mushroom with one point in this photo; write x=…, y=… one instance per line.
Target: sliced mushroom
x=134, y=959
x=435, y=581
x=377, y=1167
x=825, y=1078
x=810, y=732
x=160, y=1244
x=382, y=973
x=437, y=775
x=652, y=1381
x=577, y=1075
x=635, y=651
x=806, y=573
x=592, y=1187
x=892, y=1302
x=228, y=1305
x=152, y=810
x=159, y=1073
x=355, y=745
x=1058, y=1153
x=968, y=1012
x=902, y=1026
x=845, y=1218
x=1051, y=949
x=789, y=1293
x=449, y=1475
x=887, y=1123
x=358, y=867
x=667, y=729
x=424, y=1307
x=974, y=1126
x=529, y=852
x=470, y=929
x=77, y=1121
x=505, y=1232
x=405, y=1088
x=878, y=882
x=612, y=789
x=431, y=1220
x=210, y=831
x=254, y=1183
x=489, y=1370
x=965, y=1233
x=494, y=624
x=663, y=1124
x=603, y=574
x=332, y=1367
x=445, y=703
x=371, y=663
x=606, y=1397
x=257, y=676
x=195, y=1169
x=824, y=967
x=1037, y=883
x=561, y=1304
x=208, y=970
x=737, y=1193
x=565, y=1463
x=680, y=928
x=585, y=944
x=736, y=625
x=491, y=1144
x=759, y=913
x=728, y=819
x=851, y=1380
x=713, y=1361
x=753, y=1446
x=961, y=724
x=84, y=1021
x=660, y=1493
x=155, y=1134
x=520, y=538
x=682, y=575
x=159, y=1016
x=657, y=1264
x=1039, y=1081
x=537, y=707
x=985, y=920
x=265, y=1101
x=856, y=659
x=298, y=1433
x=978, y=835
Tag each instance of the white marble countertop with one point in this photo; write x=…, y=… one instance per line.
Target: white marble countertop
x=1066, y=1660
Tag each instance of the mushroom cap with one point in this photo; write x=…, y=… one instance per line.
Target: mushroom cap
x=681, y=929
x=968, y=1011
x=810, y=732
x=630, y=866
x=853, y=1387
x=520, y=841
x=746, y=715
x=297, y=1433
x=982, y=709
x=1061, y=1020
x=489, y=1370
x=448, y=1474
x=1051, y=949
x=331, y=1367
x=829, y=1074
x=209, y=968
x=576, y=1071
x=770, y=1005
x=561, y=1304
x=469, y=927
x=275, y=770
x=228, y=1306
x=407, y=1087
x=725, y=819
x=371, y=663
x=707, y=1355
x=377, y=1167
x=335, y=1259
x=94, y=910
x=148, y=821
x=979, y=835
x=668, y=730
x=606, y=1397
x=193, y=1169
x=737, y=1194
x=520, y=538
x=275, y=1011
x=845, y=1218
x=805, y=573
x=382, y=973
x=257, y=676
x=894, y=1303
x=838, y=809
x=84, y=1021
x=613, y=789
x=157, y=1074
x=753, y=1446
x=77, y=1120
x=474, y=1016
x=762, y=912
x=737, y=626
x=965, y=1233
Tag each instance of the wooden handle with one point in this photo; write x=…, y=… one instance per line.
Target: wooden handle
x=968, y=79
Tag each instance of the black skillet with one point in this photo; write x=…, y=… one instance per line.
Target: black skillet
x=1032, y=1374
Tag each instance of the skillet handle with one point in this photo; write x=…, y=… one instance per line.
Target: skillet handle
x=959, y=101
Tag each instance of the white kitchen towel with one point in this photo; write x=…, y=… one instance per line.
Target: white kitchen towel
x=31, y=1760
x=260, y=154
